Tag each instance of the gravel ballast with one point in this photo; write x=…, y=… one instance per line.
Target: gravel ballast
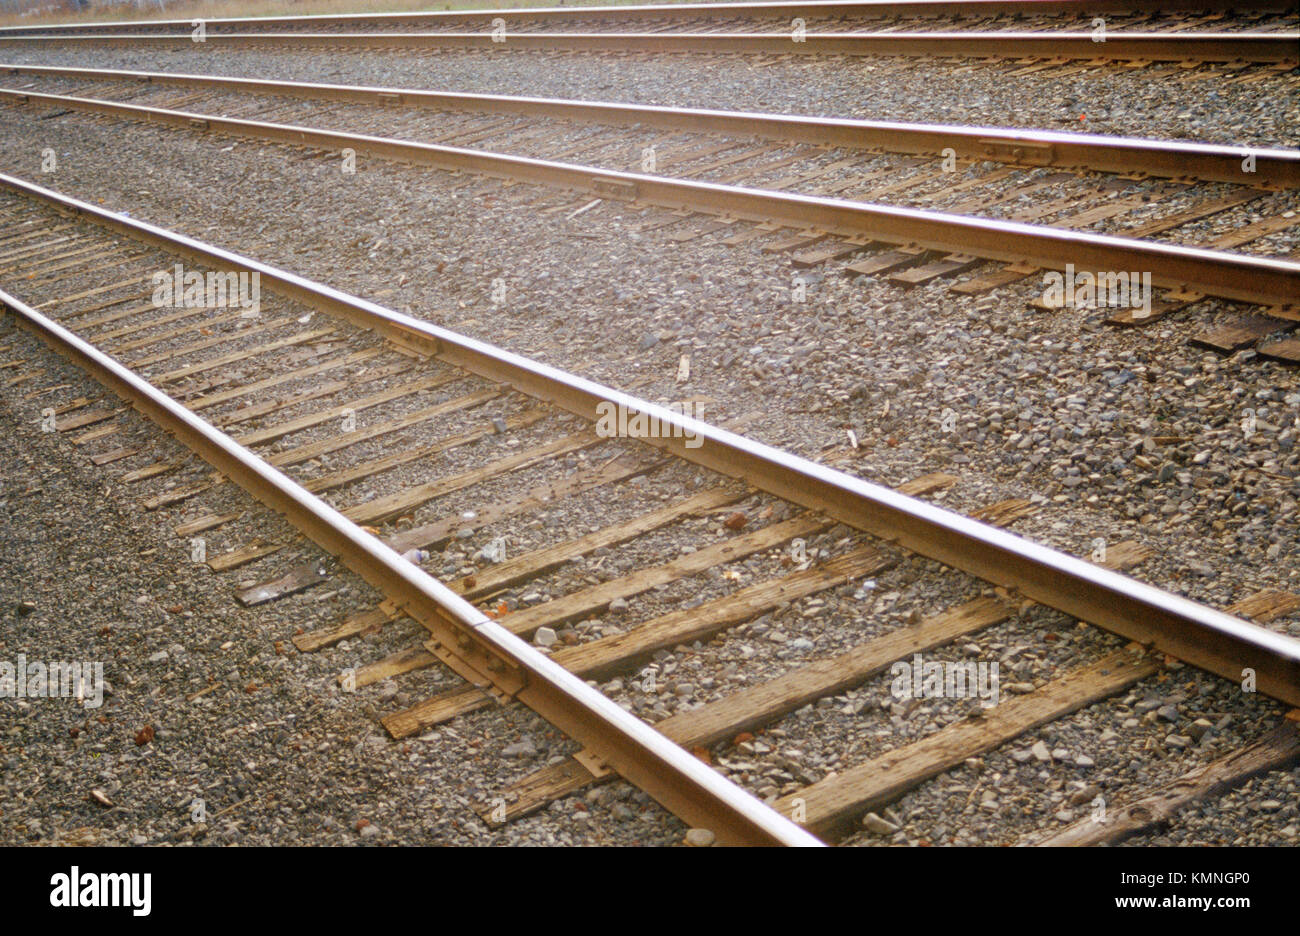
x=1112, y=435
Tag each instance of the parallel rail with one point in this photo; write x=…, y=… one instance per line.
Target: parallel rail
x=479, y=648
x=1260, y=280
x=1271, y=48
x=675, y=12
x=1192, y=632
x=1274, y=168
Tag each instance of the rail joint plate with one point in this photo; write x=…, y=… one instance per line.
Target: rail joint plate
x=472, y=659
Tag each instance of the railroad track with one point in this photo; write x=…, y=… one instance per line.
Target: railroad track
x=818, y=15
x=911, y=203
x=1276, y=49
x=1135, y=34
x=346, y=425
x=1273, y=169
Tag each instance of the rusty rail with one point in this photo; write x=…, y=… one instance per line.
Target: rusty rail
x=478, y=648
x=1274, y=168
x=675, y=12
x=1274, y=48
x=1239, y=277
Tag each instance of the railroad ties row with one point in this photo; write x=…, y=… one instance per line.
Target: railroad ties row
x=323, y=401
x=1253, y=216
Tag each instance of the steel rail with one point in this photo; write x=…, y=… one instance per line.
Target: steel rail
x=847, y=9
x=1274, y=168
x=1185, y=629
x=677, y=779
x=1241, y=277
x=1282, y=47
